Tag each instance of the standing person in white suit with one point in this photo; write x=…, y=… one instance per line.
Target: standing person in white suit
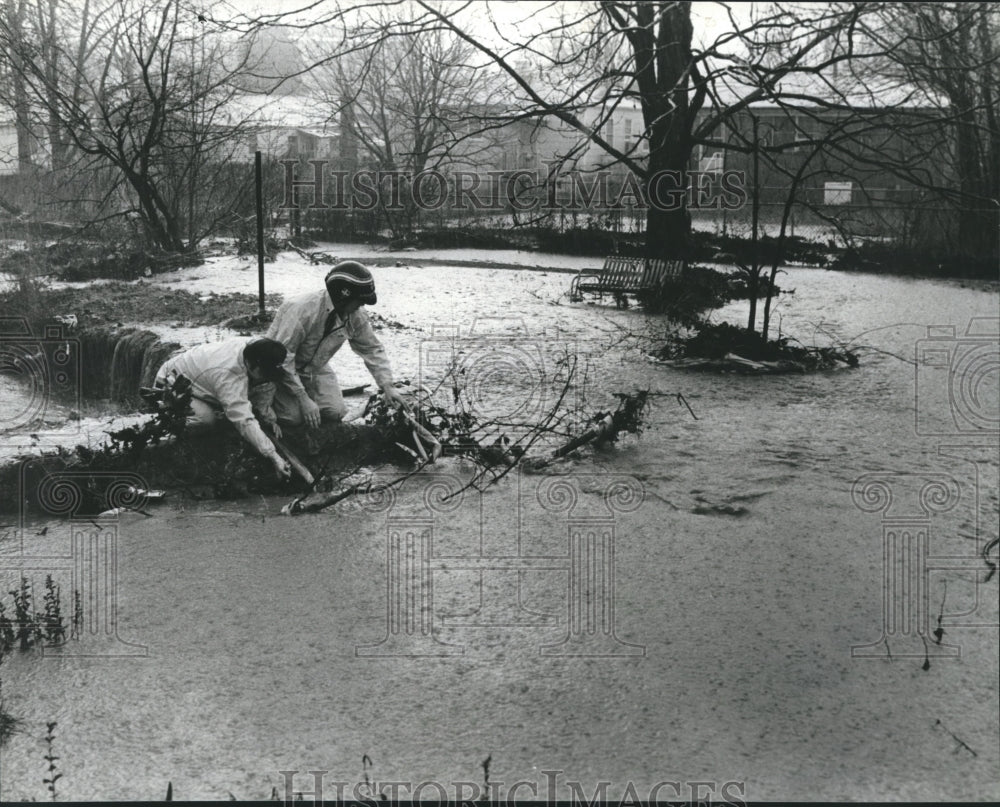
x=313, y=327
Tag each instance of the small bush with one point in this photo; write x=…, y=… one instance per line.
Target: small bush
x=684, y=301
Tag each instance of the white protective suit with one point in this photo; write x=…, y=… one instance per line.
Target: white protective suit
x=300, y=324
x=220, y=380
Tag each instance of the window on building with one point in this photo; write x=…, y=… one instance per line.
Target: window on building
x=710, y=162
x=837, y=193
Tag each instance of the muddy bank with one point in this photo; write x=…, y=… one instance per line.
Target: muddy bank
x=217, y=464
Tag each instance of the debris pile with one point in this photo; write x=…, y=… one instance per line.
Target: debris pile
x=726, y=347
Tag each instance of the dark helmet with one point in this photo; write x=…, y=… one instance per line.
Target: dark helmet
x=267, y=354
x=349, y=280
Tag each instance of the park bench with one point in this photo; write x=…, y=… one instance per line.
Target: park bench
x=621, y=276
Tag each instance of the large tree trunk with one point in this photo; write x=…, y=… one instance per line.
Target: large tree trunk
x=662, y=67
x=977, y=221
x=668, y=222
x=50, y=49
x=163, y=228
x=668, y=232
x=15, y=12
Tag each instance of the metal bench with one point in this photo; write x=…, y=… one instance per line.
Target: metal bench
x=622, y=276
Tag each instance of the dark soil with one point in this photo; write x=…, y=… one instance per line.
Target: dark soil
x=76, y=260
x=117, y=303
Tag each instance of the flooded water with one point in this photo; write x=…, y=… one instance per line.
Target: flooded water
x=744, y=600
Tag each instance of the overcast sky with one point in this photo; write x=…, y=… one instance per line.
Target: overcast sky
x=709, y=19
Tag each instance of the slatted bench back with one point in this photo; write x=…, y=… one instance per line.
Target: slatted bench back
x=621, y=275
x=659, y=272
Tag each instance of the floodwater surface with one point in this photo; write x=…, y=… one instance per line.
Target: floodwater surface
x=745, y=600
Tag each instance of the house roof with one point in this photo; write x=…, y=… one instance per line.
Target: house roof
x=844, y=88
x=281, y=111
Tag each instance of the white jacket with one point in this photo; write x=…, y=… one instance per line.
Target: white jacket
x=298, y=325
x=218, y=375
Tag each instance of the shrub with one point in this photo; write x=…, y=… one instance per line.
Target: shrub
x=684, y=301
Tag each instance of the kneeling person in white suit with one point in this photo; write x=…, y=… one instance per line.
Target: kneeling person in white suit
x=225, y=376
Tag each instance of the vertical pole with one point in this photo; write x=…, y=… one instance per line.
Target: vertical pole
x=725, y=152
x=258, y=184
x=754, y=279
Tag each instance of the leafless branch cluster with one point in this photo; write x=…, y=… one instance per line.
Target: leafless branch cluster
x=144, y=92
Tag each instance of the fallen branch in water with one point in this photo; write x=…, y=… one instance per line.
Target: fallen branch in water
x=607, y=428
x=609, y=425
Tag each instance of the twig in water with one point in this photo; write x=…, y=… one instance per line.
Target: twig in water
x=939, y=631
x=486, y=778
x=961, y=743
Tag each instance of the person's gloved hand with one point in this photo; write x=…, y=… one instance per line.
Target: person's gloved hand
x=281, y=467
x=393, y=396
x=310, y=412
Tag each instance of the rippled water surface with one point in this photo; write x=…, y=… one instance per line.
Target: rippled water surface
x=744, y=572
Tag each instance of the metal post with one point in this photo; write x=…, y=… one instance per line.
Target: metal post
x=258, y=183
x=753, y=282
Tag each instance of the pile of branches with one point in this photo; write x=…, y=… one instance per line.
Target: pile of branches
x=427, y=432
x=339, y=458
x=685, y=301
x=728, y=347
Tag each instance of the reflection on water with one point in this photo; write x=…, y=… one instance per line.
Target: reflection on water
x=745, y=574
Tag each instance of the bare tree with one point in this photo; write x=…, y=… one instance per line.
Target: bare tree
x=142, y=95
x=951, y=51
x=13, y=89
x=599, y=56
x=412, y=102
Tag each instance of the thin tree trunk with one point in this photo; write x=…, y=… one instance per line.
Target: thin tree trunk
x=753, y=284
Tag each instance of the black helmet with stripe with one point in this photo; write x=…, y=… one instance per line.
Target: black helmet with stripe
x=349, y=280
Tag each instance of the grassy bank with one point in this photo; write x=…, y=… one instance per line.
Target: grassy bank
x=218, y=464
